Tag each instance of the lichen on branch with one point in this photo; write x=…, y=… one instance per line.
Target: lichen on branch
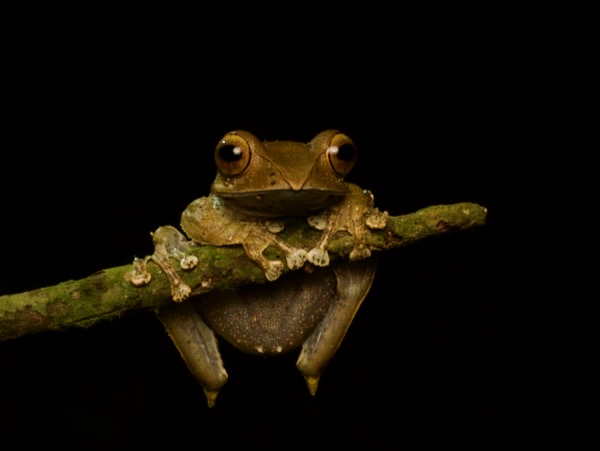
x=108, y=294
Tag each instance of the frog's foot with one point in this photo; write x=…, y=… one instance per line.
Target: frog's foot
x=140, y=276
x=374, y=219
x=356, y=216
x=295, y=259
x=258, y=241
x=318, y=257
x=176, y=246
x=180, y=291
x=168, y=243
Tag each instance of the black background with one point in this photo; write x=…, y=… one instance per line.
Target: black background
x=110, y=133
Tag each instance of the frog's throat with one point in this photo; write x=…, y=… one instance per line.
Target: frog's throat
x=282, y=203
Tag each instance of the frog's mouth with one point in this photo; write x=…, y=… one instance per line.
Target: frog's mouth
x=278, y=203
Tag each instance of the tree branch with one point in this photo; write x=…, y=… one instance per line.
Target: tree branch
x=108, y=294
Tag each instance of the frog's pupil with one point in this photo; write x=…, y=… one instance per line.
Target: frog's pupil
x=346, y=152
x=230, y=154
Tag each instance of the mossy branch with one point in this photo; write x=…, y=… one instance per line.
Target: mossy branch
x=107, y=294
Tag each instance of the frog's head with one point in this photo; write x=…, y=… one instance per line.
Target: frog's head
x=275, y=178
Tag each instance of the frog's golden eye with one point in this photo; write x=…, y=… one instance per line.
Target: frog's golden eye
x=342, y=154
x=232, y=155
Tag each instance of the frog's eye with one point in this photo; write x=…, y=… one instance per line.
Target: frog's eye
x=342, y=154
x=232, y=155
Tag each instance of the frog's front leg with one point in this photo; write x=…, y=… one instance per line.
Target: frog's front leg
x=168, y=243
x=208, y=221
x=355, y=215
x=257, y=241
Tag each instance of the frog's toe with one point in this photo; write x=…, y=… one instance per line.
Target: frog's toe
x=273, y=270
x=296, y=259
x=318, y=222
x=188, y=262
x=377, y=219
x=139, y=276
x=360, y=252
x=140, y=279
x=318, y=257
x=180, y=292
x=275, y=226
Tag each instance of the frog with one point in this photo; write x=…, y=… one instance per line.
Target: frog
x=259, y=187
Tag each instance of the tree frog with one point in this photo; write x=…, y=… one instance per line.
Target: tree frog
x=258, y=186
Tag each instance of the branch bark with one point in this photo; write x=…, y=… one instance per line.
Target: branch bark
x=107, y=294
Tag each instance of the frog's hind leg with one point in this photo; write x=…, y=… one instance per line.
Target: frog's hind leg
x=353, y=283
x=197, y=345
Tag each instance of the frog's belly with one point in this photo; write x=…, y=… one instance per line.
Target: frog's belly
x=273, y=318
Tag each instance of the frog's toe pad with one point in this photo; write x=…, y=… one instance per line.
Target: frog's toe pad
x=140, y=279
x=360, y=252
x=180, y=292
x=273, y=270
x=377, y=219
x=139, y=275
x=275, y=226
x=318, y=222
x=318, y=257
x=188, y=262
x=296, y=259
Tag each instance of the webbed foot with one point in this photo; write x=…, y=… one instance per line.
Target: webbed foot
x=258, y=241
x=355, y=215
x=168, y=243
